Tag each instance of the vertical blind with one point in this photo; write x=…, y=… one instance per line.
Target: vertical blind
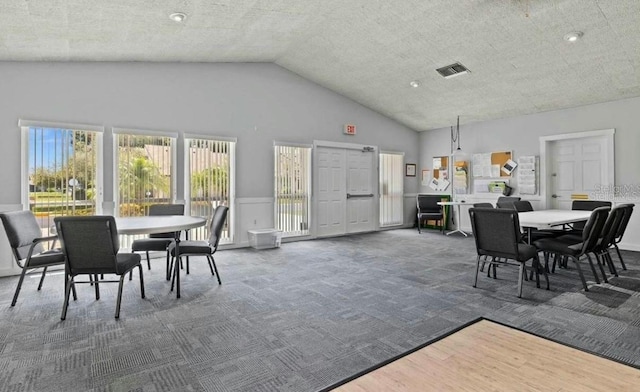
x=144, y=172
x=391, y=189
x=210, y=169
x=62, y=169
x=292, y=189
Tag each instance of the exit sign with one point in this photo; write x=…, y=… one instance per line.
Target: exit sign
x=349, y=129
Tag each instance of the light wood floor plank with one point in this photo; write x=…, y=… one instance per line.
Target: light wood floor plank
x=486, y=356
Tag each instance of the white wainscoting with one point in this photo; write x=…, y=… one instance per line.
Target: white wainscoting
x=252, y=213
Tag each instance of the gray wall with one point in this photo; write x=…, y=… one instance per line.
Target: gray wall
x=521, y=134
x=257, y=103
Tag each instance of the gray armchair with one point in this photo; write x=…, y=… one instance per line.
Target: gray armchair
x=90, y=244
x=26, y=241
x=159, y=241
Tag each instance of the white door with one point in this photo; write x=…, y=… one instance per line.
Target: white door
x=579, y=168
x=331, y=190
x=360, y=196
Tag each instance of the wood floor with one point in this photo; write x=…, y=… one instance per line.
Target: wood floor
x=486, y=356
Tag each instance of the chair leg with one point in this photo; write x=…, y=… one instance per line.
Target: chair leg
x=141, y=281
x=176, y=270
x=15, y=295
x=598, y=261
x=119, y=300
x=168, y=266
x=612, y=266
x=418, y=224
x=210, y=265
x=593, y=269
x=97, y=286
x=148, y=261
x=44, y=272
x=187, y=265
x=584, y=282
x=475, y=282
x=520, y=279
x=536, y=269
x=65, y=304
x=216, y=269
x=624, y=267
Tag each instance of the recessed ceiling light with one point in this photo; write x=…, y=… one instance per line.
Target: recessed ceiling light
x=177, y=17
x=414, y=84
x=573, y=36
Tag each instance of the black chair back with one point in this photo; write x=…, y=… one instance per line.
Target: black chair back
x=217, y=223
x=89, y=242
x=593, y=228
x=163, y=210
x=628, y=210
x=506, y=201
x=429, y=204
x=496, y=231
x=587, y=205
x=611, y=226
x=21, y=228
x=522, y=206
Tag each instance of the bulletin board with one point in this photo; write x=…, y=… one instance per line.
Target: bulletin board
x=489, y=164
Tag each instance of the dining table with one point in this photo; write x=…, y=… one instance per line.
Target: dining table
x=549, y=219
x=160, y=224
x=458, y=215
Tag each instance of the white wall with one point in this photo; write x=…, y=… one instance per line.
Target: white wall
x=256, y=103
x=521, y=135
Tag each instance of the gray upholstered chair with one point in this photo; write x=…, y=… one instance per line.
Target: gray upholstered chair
x=621, y=229
x=429, y=209
x=201, y=248
x=506, y=201
x=91, y=244
x=26, y=241
x=159, y=241
x=497, y=235
x=567, y=247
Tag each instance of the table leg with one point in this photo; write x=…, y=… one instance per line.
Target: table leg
x=458, y=230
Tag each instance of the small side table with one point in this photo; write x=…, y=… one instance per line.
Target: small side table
x=457, y=204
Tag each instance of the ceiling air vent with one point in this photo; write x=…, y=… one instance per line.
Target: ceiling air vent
x=453, y=70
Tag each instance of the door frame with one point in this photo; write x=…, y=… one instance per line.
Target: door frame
x=545, y=158
x=375, y=173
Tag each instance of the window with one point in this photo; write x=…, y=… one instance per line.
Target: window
x=292, y=189
x=391, y=189
x=62, y=173
x=209, y=180
x=144, y=173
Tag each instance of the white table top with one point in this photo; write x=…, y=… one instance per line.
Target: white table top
x=544, y=219
x=157, y=224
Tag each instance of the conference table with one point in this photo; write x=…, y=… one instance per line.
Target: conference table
x=160, y=224
x=549, y=219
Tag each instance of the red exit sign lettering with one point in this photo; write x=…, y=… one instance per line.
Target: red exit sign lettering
x=349, y=129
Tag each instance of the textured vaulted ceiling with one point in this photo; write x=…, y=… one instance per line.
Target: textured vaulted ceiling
x=367, y=50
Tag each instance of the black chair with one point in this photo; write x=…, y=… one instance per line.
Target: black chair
x=26, y=241
x=482, y=205
x=621, y=229
x=607, y=238
x=159, y=241
x=201, y=248
x=586, y=205
x=506, y=201
x=497, y=235
x=429, y=209
x=90, y=244
x=566, y=247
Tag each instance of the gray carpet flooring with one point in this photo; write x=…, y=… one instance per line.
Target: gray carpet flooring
x=297, y=318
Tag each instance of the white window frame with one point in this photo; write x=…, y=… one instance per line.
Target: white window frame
x=309, y=191
x=232, y=177
x=402, y=175
x=24, y=156
x=141, y=132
